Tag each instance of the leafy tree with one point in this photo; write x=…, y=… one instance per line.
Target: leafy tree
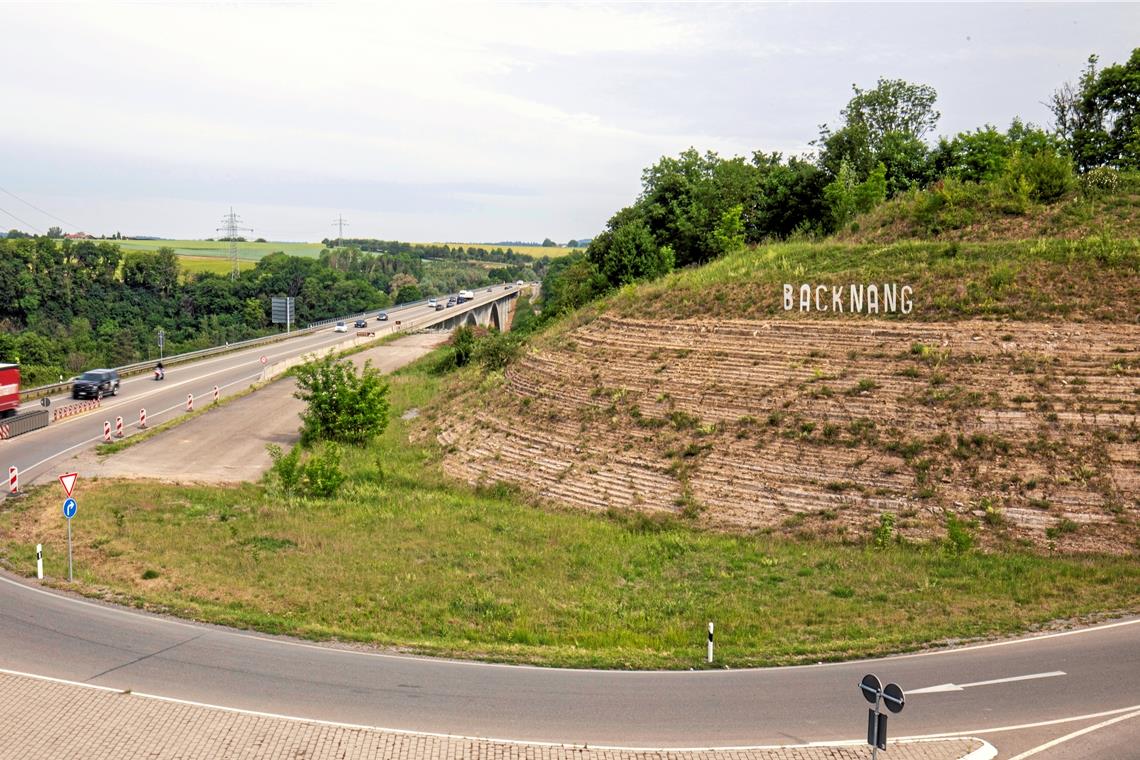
x=627, y=251
x=14, y=234
x=846, y=197
x=884, y=125
x=342, y=406
x=548, y=243
x=1102, y=118
x=789, y=198
x=409, y=293
x=684, y=199
x=55, y=232
x=572, y=281
x=572, y=244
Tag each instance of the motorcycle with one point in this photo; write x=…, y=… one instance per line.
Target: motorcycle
x=159, y=374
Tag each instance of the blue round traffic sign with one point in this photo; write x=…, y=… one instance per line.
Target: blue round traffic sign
x=69, y=508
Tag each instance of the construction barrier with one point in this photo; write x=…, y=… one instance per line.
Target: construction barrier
x=73, y=409
x=24, y=422
x=13, y=480
x=106, y=431
x=189, y=402
x=215, y=394
x=118, y=427
x=142, y=418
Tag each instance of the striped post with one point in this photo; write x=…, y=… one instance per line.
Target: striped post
x=118, y=427
x=106, y=431
x=215, y=394
x=710, y=641
x=13, y=480
x=40, y=561
x=189, y=402
x=142, y=418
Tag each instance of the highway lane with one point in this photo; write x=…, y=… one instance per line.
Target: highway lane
x=47, y=633
x=40, y=453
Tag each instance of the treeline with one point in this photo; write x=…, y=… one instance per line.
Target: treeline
x=434, y=251
x=698, y=206
x=68, y=305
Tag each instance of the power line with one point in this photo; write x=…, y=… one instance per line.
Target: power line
x=231, y=228
x=21, y=221
x=37, y=208
x=340, y=222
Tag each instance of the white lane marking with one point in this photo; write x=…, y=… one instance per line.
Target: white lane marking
x=1074, y=735
x=1023, y=726
x=960, y=686
x=465, y=737
x=220, y=630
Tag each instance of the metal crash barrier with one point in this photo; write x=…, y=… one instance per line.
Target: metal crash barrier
x=10, y=427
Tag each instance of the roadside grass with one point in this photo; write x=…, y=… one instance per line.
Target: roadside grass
x=1077, y=280
x=404, y=557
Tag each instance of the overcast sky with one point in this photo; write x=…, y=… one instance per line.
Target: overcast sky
x=469, y=122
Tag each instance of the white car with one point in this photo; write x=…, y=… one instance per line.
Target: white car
x=340, y=327
x=432, y=302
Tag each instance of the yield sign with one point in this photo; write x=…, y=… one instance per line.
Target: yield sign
x=68, y=482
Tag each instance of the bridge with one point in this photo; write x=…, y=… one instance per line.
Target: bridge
x=496, y=312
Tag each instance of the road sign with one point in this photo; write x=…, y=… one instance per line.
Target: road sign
x=68, y=481
x=69, y=508
x=874, y=692
x=265, y=360
x=871, y=687
x=893, y=697
x=45, y=401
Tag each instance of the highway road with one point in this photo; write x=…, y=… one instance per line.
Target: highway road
x=37, y=453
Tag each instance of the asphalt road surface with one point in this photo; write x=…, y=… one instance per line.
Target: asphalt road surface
x=1006, y=692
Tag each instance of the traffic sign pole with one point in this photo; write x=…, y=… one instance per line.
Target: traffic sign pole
x=69, y=551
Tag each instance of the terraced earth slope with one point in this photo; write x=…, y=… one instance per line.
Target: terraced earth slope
x=1025, y=427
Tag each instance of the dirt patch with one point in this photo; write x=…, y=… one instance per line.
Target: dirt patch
x=227, y=444
x=1029, y=430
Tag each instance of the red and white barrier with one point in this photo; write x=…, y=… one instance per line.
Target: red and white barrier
x=189, y=402
x=71, y=410
x=118, y=427
x=106, y=431
x=215, y=394
x=4, y=431
x=142, y=418
x=13, y=480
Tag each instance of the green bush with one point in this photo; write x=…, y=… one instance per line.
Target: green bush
x=1041, y=177
x=959, y=537
x=318, y=475
x=342, y=406
x=496, y=350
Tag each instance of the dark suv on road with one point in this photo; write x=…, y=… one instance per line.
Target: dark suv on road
x=96, y=383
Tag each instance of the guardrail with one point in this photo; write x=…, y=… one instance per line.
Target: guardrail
x=25, y=422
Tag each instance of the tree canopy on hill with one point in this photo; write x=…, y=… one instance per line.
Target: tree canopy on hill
x=695, y=207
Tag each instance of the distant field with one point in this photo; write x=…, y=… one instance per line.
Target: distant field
x=534, y=251
x=213, y=264
x=215, y=249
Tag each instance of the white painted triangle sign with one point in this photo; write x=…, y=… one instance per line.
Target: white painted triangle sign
x=68, y=481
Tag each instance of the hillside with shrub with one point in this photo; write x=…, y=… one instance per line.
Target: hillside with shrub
x=691, y=367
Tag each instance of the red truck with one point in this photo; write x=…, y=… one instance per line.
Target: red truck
x=9, y=389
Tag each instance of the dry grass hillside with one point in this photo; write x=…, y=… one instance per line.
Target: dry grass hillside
x=1027, y=425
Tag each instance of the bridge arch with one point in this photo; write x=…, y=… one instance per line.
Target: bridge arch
x=494, y=320
x=469, y=319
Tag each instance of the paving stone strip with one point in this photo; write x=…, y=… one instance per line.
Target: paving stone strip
x=44, y=718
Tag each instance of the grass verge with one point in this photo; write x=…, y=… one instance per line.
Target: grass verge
x=404, y=558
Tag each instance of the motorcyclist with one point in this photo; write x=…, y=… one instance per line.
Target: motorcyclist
x=159, y=372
